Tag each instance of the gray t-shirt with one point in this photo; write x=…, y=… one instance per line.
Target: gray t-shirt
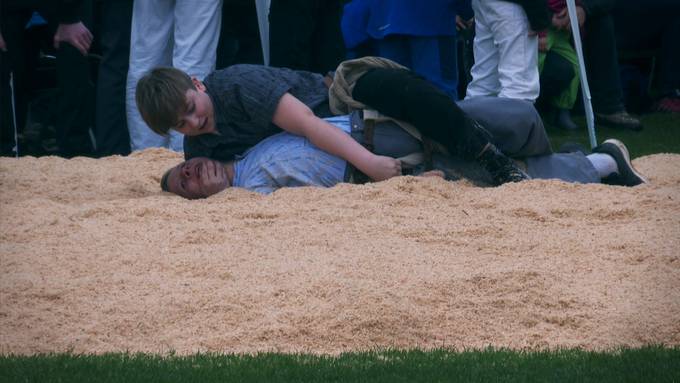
x=244, y=99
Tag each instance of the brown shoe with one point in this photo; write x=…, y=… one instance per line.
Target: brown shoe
x=619, y=120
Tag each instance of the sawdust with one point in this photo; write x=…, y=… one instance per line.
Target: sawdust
x=94, y=258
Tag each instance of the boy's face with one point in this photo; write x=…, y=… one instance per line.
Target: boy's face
x=198, y=177
x=199, y=116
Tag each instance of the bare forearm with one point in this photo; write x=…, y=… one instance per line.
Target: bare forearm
x=294, y=117
x=331, y=139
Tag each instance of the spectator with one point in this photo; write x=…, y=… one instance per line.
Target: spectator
x=305, y=34
x=657, y=27
x=601, y=59
x=69, y=22
x=506, y=48
x=111, y=132
x=558, y=65
x=418, y=37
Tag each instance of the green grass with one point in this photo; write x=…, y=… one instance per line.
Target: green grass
x=649, y=364
x=660, y=135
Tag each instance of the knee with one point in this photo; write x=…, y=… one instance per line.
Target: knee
x=557, y=72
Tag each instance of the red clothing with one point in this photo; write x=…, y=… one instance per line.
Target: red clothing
x=558, y=5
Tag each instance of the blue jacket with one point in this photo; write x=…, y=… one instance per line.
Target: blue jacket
x=413, y=17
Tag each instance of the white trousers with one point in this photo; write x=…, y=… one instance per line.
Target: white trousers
x=506, y=57
x=178, y=33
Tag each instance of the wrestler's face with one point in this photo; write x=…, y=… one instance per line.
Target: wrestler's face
x=199, y=115
x=198, y=177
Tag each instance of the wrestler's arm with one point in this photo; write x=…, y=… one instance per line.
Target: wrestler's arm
x=295, y=117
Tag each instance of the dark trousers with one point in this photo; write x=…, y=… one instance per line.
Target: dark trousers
x=602, y=65
x=73, y=114
x=555, y=78
x=111, y=132
x=305, y=34
x=403, y=95
x=656, y=27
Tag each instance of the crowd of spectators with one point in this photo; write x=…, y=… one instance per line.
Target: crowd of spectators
x=69, y=68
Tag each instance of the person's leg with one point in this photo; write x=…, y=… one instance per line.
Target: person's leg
x=403, y=95
x=74, y=105
x=111, y=131
x=602, y=67
x=291, y=26
x=570, y=167
x=517, y=51
x=151, y=44
x=515, y=125
x=12, y=23
x=657, y=27
x=484, y=72
x=197, y=29
x=669, y=60
x=556, y=76
x=435, y=59
x=328, y=47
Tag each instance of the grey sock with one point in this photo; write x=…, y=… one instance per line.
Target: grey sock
x=604, y=164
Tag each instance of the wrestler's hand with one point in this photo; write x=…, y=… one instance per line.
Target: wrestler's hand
x=75, y=34
x=382, y=168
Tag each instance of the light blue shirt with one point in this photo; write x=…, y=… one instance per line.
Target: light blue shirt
x=287, y=160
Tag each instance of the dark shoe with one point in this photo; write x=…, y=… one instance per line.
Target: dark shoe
x=501, y=167
x=627, y=175
x=619, y=120
x=564, y=121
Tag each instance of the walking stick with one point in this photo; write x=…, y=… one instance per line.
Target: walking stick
x=262, y=7
x=14, y=115
x=585, y=90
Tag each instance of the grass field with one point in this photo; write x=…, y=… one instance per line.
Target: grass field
x=649, y=364
x=660, y=135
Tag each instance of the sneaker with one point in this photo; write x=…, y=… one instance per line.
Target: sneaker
x=619, y=120
x=627, y=175
x=501, y=167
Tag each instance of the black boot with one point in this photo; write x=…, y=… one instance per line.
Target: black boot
x=479, y=148
x=501, y=167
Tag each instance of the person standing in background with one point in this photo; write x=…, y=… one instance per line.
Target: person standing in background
x=422, y=38
x=179, y=33
x=69, y=22
x=602, y=63
x=506, y=48
x=110, y=131
x=305, y=35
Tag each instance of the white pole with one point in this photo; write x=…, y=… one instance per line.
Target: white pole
x=587, y=104
x=262, y=7
x=14, y=115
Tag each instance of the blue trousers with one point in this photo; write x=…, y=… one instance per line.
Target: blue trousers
x=431, y=57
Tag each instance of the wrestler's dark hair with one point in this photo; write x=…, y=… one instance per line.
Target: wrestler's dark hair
x=164, y=180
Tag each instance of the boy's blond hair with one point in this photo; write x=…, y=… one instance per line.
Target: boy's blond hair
x=161, y=97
